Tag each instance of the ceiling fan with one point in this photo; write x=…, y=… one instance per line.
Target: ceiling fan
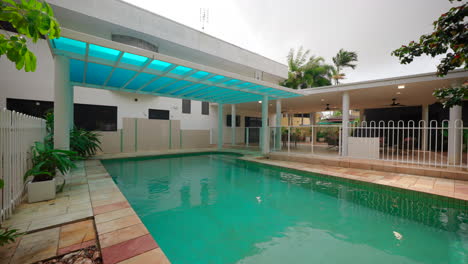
x=328, y=108
x=394, y=103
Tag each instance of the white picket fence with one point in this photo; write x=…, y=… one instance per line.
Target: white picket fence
x=18, y=132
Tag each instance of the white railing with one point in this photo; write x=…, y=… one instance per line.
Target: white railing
x=317, y=139
x=435, y=144
x=18, y=132
x=245, y=137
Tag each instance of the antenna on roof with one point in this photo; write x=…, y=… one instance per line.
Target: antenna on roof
x=204, y=17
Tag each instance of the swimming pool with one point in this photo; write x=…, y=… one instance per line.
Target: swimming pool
x=214, y=208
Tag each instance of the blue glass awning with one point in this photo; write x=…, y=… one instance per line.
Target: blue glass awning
x=109, y=65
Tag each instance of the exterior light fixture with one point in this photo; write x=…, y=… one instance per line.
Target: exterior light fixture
x=259, y=102
x=401, y=87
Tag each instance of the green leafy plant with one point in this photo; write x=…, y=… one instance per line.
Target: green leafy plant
x=46, y=161
x=8, y=236
x=31, y=19
x=449, y=38
x=85, y=143
x=452, y=96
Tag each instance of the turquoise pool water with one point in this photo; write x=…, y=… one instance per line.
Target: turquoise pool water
x=217, y=209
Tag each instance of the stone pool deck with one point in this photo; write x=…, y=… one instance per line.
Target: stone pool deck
x=451, y=188
x=92, y=211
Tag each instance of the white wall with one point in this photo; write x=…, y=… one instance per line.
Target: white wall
x=127, y=107
x=36, y=85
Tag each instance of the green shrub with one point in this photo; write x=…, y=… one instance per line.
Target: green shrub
x=46, y=161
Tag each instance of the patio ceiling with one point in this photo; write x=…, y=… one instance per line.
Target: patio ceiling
x=104, y=64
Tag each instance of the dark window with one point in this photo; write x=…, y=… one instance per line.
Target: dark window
x=254, y=131
x=158, y=114
x=89, y=117
x=186, y=106
x=30, y=107
x=228, y=120
x=96, y=117
x=205, y=108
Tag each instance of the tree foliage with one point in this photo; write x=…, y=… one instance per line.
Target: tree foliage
x=31, y=19
x=450, y=38
x=305, y=71
x=343, y=59
x=452, y=96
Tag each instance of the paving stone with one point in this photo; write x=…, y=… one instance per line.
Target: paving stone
x=36, y=246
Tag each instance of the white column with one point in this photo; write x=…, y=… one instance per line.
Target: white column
x=312, y=119
x=425, y=123
x=233, y=124
x=63, y=103
x=345, y=122
x=454, y=134
x=220, y=126
x=278, y=124
x=265, y=130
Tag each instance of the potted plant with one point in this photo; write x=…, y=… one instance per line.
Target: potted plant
x=321, y=136
x=46, y=162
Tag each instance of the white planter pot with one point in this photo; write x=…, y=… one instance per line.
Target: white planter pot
x=41, y=191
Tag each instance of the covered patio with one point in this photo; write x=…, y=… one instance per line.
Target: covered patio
x=395, y=119
x=88, y=61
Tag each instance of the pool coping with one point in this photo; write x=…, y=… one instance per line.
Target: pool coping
x=308, y=168
x=122, y=236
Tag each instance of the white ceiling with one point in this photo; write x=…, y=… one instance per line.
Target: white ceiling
x=379, y=96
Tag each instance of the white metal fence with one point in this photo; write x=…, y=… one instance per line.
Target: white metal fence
x=18, y=132
x=435, y=143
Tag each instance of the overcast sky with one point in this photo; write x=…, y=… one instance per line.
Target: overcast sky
x=372, y=28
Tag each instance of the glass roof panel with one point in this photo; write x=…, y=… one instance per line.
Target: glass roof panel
x=242, y=85
x=200, y=74
x=76, y=70
x=180, y=70
x=159, y=65
x=103, y=52
x=174, y=86
x=190, y=88
x=97, y=73
x=216, y=78
x=120, y=77
x=231, y=82
x=140, y=80
x=202, y=91
x=70, y=45
x=133, y=59
x=158, y=83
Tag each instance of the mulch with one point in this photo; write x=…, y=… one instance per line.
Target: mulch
x=89, y=255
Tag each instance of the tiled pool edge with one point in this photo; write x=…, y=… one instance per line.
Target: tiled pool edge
x=122, y=236
x=462, y=200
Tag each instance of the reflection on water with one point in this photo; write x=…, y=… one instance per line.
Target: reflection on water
x=217, y=209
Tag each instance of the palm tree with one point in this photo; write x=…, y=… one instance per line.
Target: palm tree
x=296, y=63
x=342, y=60
x=306, y=72
x=317, y=72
